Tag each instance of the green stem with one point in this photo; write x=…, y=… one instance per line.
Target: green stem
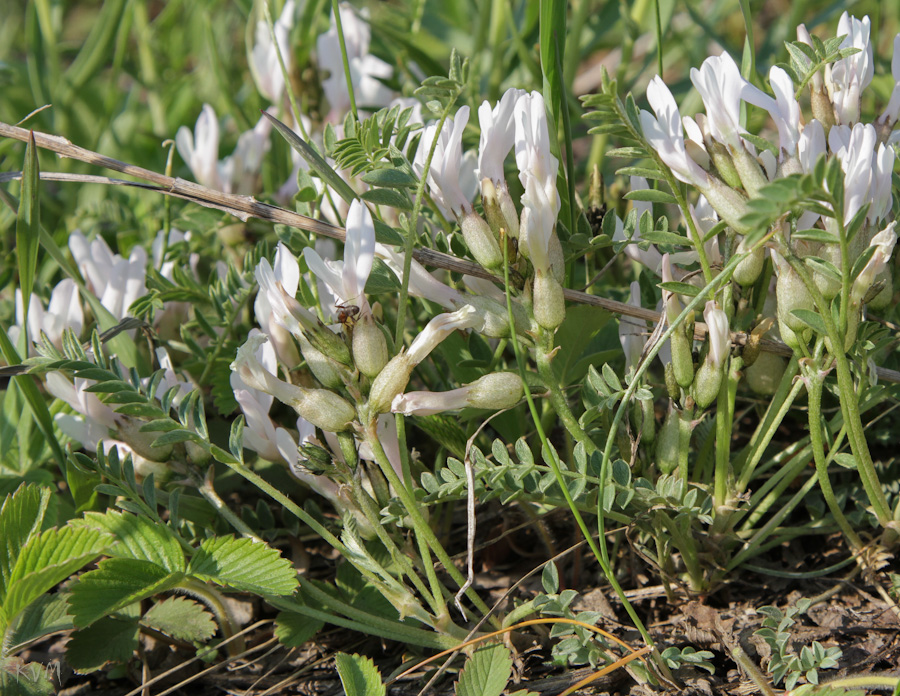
x=599, y=553
x=411, y=227
x=364, y=501
x=787, y=391
x=724, y=425
x=335, y=9
x=213, y=599
x=558, y=399
x=849, y=399
x=814, y=382
x=420, y=526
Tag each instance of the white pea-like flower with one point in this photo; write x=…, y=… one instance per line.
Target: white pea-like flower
x=264, y=65
x=664, y=133
x=846, y=78
x=495, y=391
x=200, y=149
x=63, y=312
x=719, y=334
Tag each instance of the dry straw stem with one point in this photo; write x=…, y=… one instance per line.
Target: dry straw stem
x=245, y=207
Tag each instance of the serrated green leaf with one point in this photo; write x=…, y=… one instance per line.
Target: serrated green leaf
x=48, y=614
x=111, y=639
x=244, y=565
x=138, y=538
x=20, y=678
x=182, y=619
x=359, y=675
x=46, y=560
x=293, y=630
x=486, y=672
x=20, y=518
x=115, y=584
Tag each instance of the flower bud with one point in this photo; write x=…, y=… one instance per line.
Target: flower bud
x=481, y=241
x=390, y=382
x=370, y=351
x=324, y=369
x=549, y=304
x=721, y=158
x=324, y=409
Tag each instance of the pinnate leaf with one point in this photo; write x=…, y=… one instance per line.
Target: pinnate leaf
x=486, y=672
x=359, y=675
x=181, y=618
x=244, y=565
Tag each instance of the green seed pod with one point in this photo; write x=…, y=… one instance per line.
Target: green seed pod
x=324, y=369
x=496, y=391
x=682, y=360
x=764, y=375
x=883, y=297
x=672, y=386
x=325, y=410
x=668, y=443
x=748, y=270
x=792, y=294
x=706, y=384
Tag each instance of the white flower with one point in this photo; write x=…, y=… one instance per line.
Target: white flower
x=721, y=87
x=847, y=78
x=421, y=282
x=116, y=281
x=665, y=135
x=366, y=71
x=538, y=221
x=265, y=354
x=784, y=108
x=170, y=380
x=263, y=61
x=439, y=328
x=445, y=181
x=533, y=156
x=240, y=169
x=867, y=167
x=884, y=243
x=892, y=110
x=200, y=149
x=494, y=391
x=498, y=133
x=63, y=312
x=95, y=419
x=347, y=279
x=718, y=333
x=280, y=282
x=284, y=310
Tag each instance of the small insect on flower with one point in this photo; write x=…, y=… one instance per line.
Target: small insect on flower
x=347, y=314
